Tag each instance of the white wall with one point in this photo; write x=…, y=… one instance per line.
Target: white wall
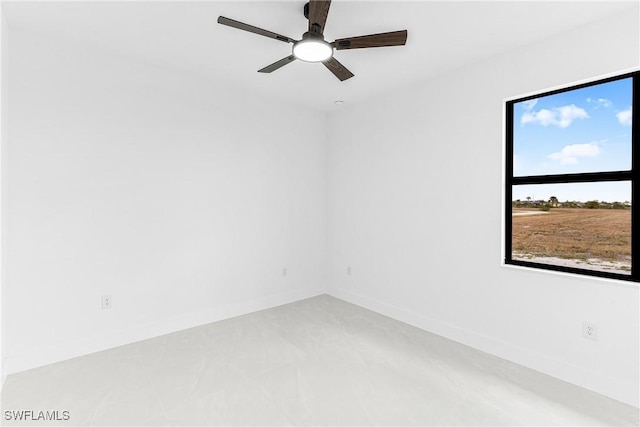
x=415, y=199
x=4, y=39
x=182, y=199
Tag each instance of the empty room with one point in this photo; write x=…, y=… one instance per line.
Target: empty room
x=324, y=213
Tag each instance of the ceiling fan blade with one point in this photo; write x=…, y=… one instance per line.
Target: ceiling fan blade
x=281, y=63
x=318, y=12
x=246, y=27
x=393, y=38
x=338, y=69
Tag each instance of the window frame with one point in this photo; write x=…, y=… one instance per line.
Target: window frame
x=631, y=175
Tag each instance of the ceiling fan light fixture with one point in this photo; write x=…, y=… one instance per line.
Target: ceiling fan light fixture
x=312, y=49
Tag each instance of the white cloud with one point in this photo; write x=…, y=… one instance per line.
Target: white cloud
x=559, y=116
x=624, y=117
x=528, y=105
x=569, y=154
x=600, y=102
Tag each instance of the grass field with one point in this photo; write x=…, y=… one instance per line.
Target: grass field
x=578, y=234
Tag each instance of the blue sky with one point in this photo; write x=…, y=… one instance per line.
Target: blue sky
x=583, y=130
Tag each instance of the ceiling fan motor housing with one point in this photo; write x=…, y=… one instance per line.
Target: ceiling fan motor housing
x=309, y=36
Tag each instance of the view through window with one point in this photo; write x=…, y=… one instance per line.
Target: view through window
x=570, y=176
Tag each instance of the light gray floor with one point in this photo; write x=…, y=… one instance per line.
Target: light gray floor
x=319, y=361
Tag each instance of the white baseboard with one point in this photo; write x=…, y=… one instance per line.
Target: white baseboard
x=71, y=349
x=624, y=391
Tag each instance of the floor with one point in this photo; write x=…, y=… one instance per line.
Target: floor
x=320, y=361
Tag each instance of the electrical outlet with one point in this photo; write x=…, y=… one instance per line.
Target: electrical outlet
x=590, y=331
x=349, y=271
x=284, y=272
x=106, y=302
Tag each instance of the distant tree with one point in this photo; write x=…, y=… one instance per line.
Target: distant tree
x=592, y=204
x=553, y=201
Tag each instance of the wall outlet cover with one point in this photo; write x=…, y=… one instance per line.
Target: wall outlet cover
x=590, y=331
x=106, y=302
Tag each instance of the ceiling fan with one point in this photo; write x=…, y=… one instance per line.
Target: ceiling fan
x=313, y=47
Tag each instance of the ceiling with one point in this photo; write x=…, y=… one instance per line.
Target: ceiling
x=184, y=36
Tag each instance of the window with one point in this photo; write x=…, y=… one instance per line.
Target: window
x=571, y=182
